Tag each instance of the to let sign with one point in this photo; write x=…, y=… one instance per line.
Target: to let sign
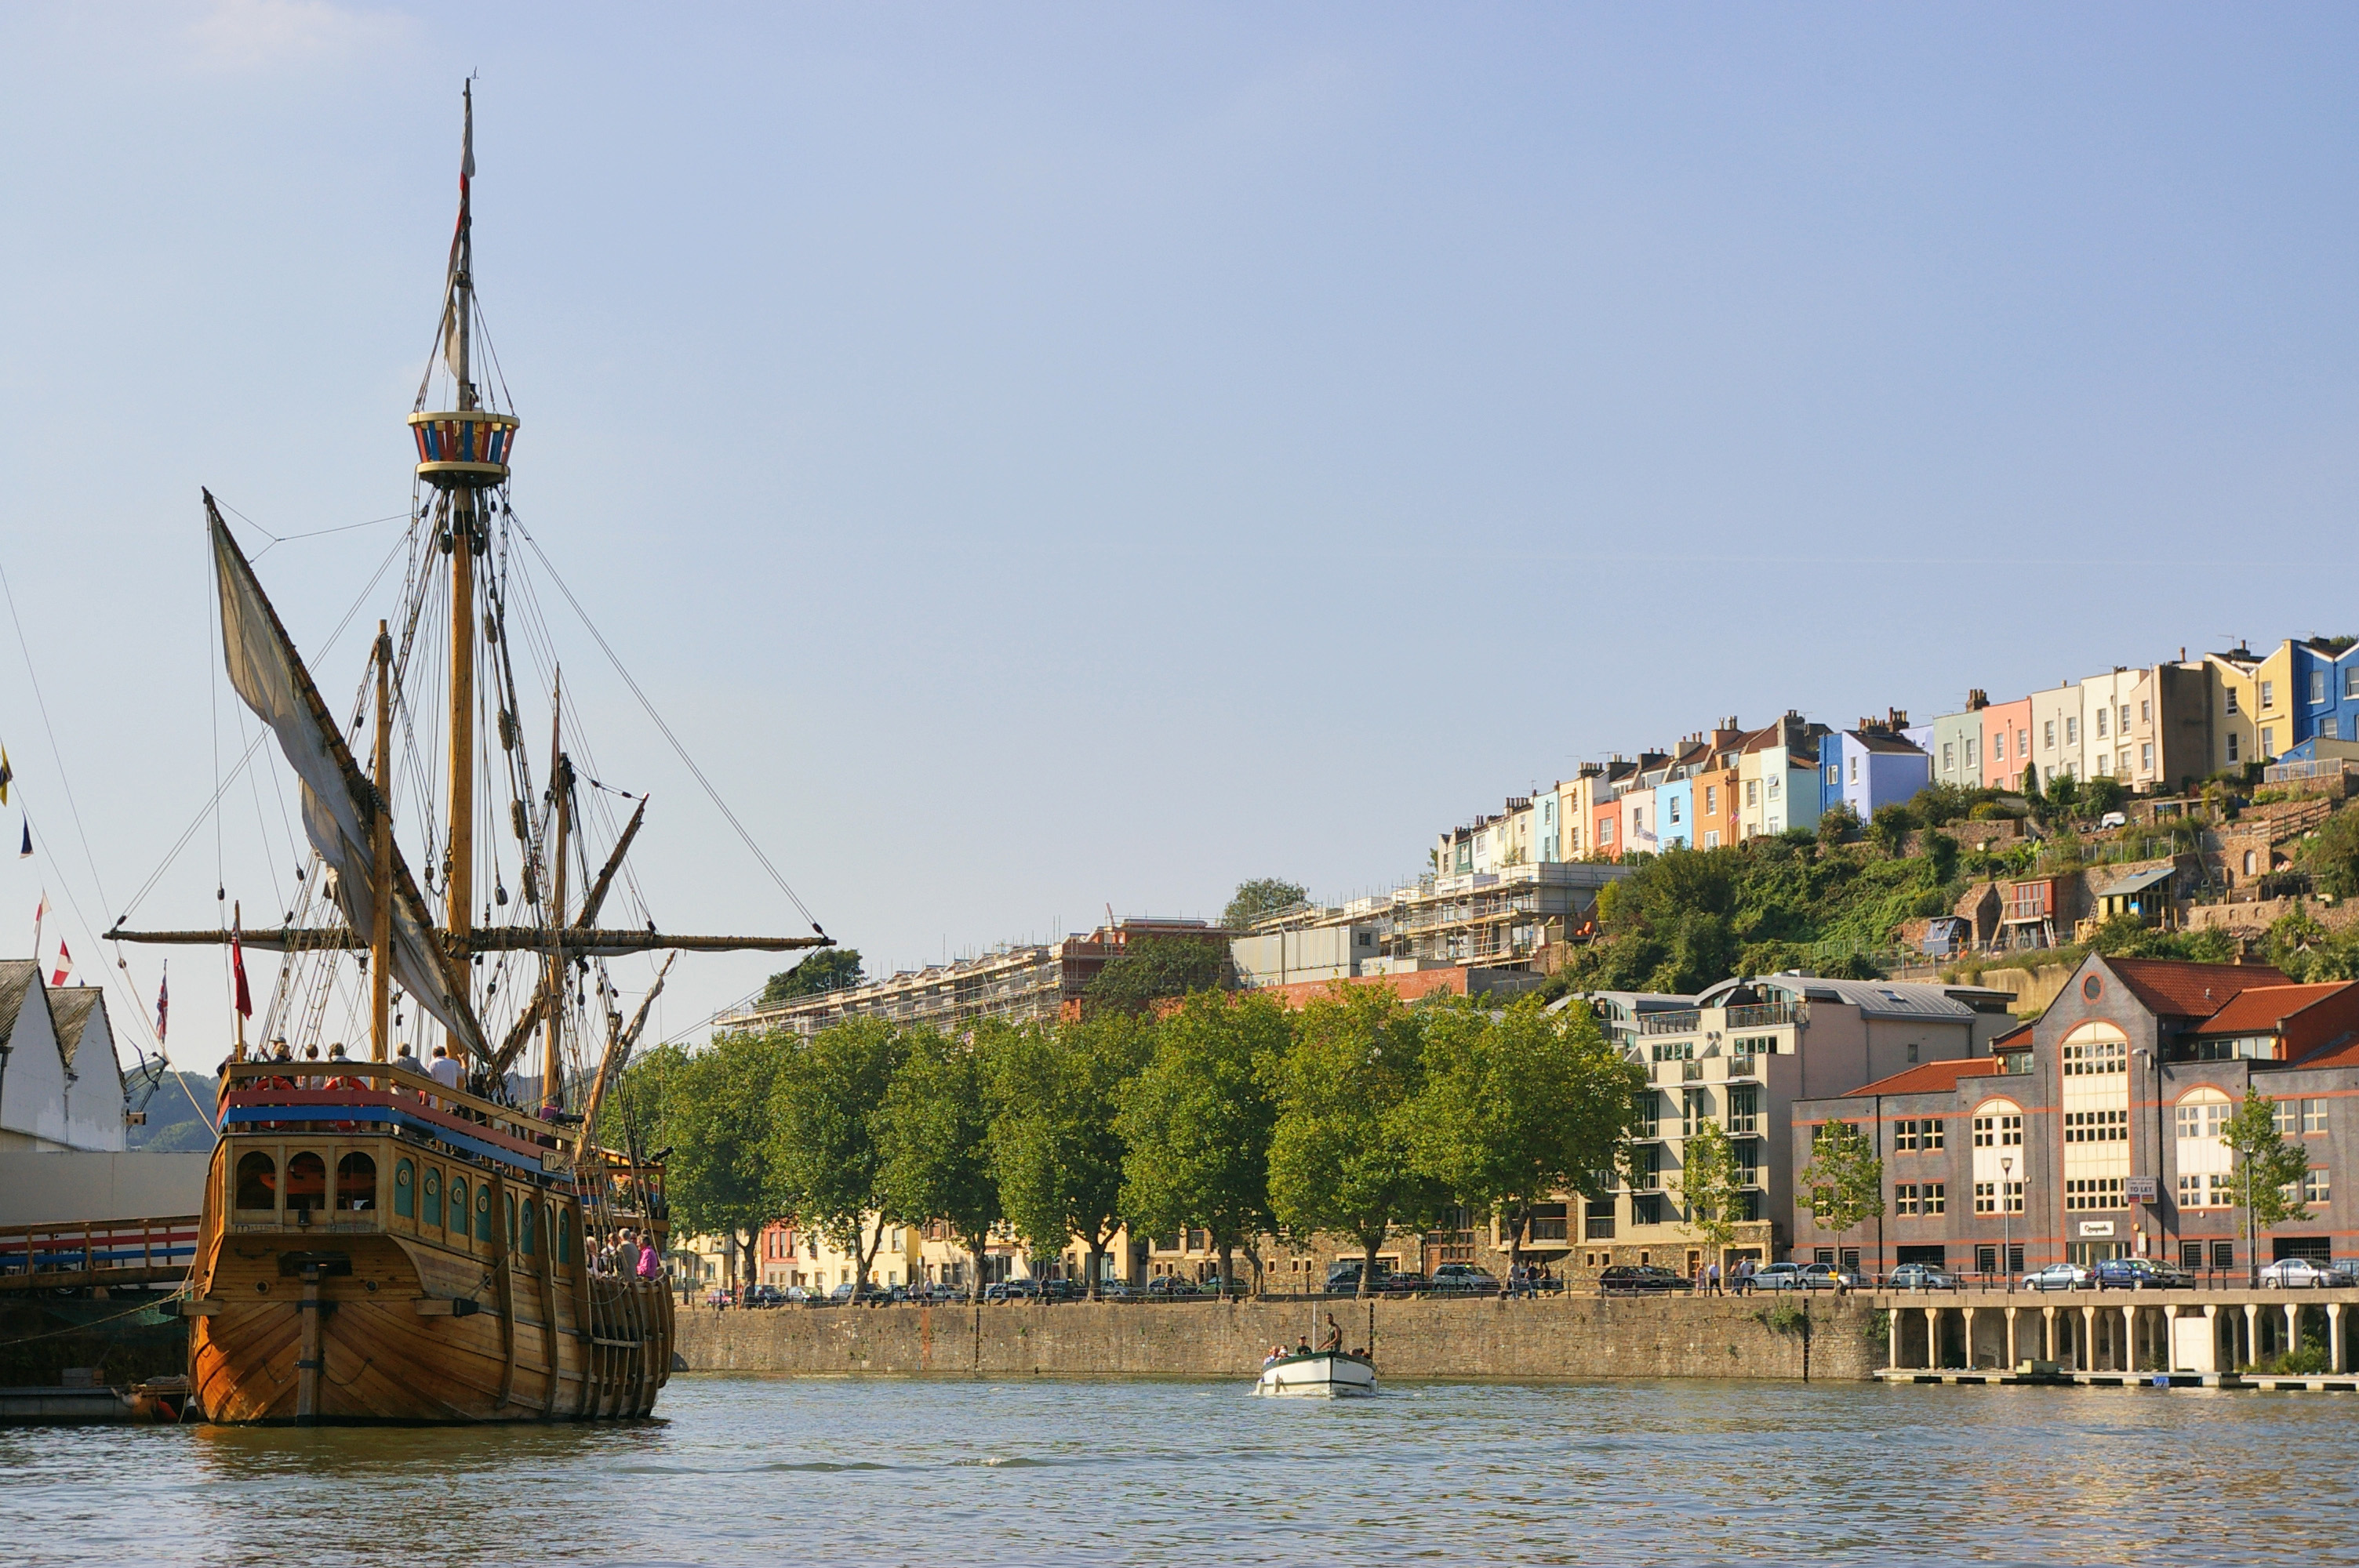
x=2143, y=1189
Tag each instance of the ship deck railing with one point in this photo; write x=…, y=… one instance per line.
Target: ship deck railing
x=82, y=1253
x=265, y=1097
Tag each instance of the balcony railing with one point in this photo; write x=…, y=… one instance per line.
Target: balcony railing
x=1691, y=1071
x=1686, y=1021
x=1742, y=1067
x=1598, y=1227
x=1761, y=1015
x=1547, y=1229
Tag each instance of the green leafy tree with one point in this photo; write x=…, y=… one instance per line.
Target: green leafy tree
x=1056, y=1145
x=711, y=1108
x=829, y=970
x=2101, y=794
x=2268, y=1171
x=2331, y=855
x=829, y=1166
x=1151, y=969
x=1263, y=897
x=1839, y=824
x=1706, y=1185
x=1843, y=1185
x=1523, y=1107
x=1891, y=824
x=1198, y=1120
x=1340, y=1155
x=933, y=1133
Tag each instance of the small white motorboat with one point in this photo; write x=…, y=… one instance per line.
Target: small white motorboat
x=1331, y=1374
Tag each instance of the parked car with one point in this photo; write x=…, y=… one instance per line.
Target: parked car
x=716, y=1297
x=1828, y=1277
x=2057, y=1277
x=1215, y=1285
x=1343, y=1278
x=1012, y=1291
x=1403, y=1283
x=1172, y=1285
x=1920, y=1277
x=1464, y=1279
x=2142, y=1274
x=2301, y=1273
x=1644, y=1279
x=1775, y=1277
x=1117, y=1291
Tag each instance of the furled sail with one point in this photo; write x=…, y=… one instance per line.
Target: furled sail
x=337, y=799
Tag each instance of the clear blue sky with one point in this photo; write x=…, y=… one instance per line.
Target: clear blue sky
x=1046, y=458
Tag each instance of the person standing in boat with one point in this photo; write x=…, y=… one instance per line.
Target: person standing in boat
x=1332, y=1340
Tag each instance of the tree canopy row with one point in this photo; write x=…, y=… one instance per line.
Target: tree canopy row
x=1359, y=1116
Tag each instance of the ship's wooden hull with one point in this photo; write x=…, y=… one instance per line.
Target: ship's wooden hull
x=415, y=1322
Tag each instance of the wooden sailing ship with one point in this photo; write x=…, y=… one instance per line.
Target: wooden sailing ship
x=377, y=1245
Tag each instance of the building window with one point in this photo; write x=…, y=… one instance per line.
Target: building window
x=2048, y=736
x=2088, y=1058
x=1675, y=811
x=2330, y=728
x=1773, y=787
x=1948, y=761
x=2096, y=1127
x=1998, y=747
x=2015, y=1205
x=1933, y=1197
x=1647, y=1209
x=1651, y=1110
x=2313, y=1185
x=2234, y=706
x=2146, y=756
x=1998, y=1132
x=2190, y=1191
x=1605, y=830
x=1904, y=1136
x=2202, y=1121
x=1646, y=1169
x=2071, y=731
x=1694, y=1112
x=1854, y=770
x=2101, y=723
x=1985, y=1198
x=2252, y=856
x=1904, y=1198
x=2092, y=1192
x=2351, y=681
x=1744, y=1107
x=2268, y=695
x=2317, y=685
x=1974, y=750
x=1711, y=799
x=1712, y=840
x=2313, y=1117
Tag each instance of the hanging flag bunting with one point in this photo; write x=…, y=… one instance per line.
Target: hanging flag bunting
x=25, y=850
x=40, y=913
x=65, y=965
x=7, y=774
x=163, y=1001
x=237, y=968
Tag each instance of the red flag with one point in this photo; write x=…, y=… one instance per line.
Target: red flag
x=237, y=968
x=65, y=965
x=163, y=1001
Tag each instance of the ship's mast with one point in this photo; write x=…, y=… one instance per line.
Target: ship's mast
x=464, y=541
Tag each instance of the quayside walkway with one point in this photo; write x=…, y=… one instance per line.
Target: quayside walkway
x=2207, y=1337
x=39, y=1258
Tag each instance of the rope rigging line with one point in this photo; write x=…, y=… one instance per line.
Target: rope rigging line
x=681, y=751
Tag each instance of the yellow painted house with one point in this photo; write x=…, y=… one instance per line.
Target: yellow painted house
x=2252, y=700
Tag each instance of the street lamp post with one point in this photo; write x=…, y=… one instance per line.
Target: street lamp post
x=2007, y=1221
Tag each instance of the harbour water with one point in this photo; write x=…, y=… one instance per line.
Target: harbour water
x=885, y=1471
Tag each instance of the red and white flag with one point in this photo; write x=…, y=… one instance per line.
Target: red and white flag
x=65, y=965
x=40, y=913
x=163, y=1001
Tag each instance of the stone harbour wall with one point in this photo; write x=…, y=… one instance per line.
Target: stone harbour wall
x=1566, y=1337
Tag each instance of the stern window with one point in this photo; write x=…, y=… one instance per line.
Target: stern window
x=257, y=1181
x=307, y=1184
x=356, y=1183
x=404, y=1190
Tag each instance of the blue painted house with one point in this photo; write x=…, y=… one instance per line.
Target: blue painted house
x=2325, y=691
x=1874, y=766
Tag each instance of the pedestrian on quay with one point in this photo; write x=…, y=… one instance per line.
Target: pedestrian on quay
x=1712, y=1274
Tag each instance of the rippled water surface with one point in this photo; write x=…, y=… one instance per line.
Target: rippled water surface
x=743, y=1470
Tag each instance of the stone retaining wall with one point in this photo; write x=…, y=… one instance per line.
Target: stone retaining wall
x=1574, y=1337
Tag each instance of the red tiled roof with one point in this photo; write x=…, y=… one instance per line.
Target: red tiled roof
x=1929, y=1077
x=2176, y=990
x=2256, y=1010
x=2020, y=1031
x=2339, y=1054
